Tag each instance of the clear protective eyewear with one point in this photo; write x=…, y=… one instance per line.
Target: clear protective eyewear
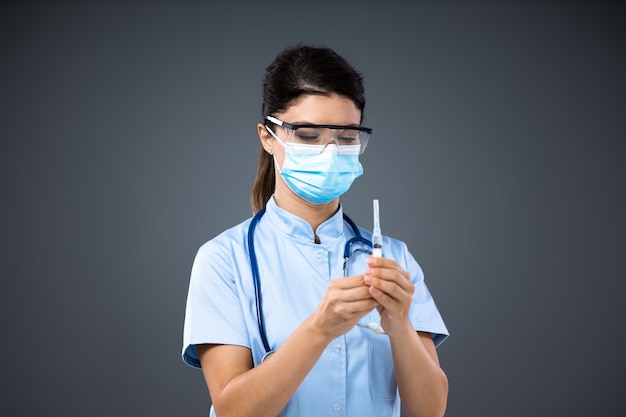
x=347, y=137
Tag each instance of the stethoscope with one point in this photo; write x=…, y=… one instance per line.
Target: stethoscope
x=348, y=251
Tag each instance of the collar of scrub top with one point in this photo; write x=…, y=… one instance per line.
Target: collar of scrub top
x=358, y=238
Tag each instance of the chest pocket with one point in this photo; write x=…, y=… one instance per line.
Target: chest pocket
x=383, y=384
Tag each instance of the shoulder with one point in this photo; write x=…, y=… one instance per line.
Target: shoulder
x=230, y=241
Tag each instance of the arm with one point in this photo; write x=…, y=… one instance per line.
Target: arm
x=422, y=383
x=238, y=388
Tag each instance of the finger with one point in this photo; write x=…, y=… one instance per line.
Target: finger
x=353, y=311
x=339, y=292
x=385, y=300
x=348, y=282
x=389, y=294
x=392, y=290
x=362, y=307
x=354, y=294
x=396, y=275
x=380, y=262
x=386, y=287
x=374, y=262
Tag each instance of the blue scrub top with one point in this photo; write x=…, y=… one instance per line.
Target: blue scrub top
x=354, y=376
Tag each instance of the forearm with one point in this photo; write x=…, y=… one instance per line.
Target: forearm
x=267, y=388
x=422, y=383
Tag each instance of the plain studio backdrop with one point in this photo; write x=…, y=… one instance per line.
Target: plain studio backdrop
x=129, y=139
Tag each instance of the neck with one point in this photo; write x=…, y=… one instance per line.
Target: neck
x=313, y=214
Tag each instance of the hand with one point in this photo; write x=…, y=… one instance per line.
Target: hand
x=346, y=301
x=392, y=288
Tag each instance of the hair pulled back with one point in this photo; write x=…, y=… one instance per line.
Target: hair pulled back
x=300, y=70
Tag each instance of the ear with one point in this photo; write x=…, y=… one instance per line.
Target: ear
x=267, y=141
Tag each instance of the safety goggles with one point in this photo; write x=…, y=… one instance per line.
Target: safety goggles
x=321, y=135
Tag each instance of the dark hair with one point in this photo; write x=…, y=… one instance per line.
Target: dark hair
x=296, y=71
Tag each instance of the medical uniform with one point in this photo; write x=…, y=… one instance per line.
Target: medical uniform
x=354, y=377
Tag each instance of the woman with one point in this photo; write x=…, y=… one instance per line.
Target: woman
x=319, y=357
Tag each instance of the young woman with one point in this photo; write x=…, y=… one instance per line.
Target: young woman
x=278, y=321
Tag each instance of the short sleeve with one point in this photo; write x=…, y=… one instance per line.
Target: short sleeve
x=424, y=313
x=213, y=311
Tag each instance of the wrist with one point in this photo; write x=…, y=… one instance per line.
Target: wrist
x=315, y=333
x=402, y=331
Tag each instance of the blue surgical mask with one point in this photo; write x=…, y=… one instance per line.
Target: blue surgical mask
x=319, y=173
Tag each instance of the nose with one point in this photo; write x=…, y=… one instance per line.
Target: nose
x=332, y=145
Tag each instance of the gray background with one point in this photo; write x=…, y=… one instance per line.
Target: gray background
x=129, y=139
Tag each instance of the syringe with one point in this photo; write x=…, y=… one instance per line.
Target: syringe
x=377, y=237
x=377, y=246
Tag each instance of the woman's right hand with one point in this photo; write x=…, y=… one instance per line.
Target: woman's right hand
x=347, y=300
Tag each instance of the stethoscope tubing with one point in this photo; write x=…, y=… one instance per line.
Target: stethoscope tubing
x=255, y=275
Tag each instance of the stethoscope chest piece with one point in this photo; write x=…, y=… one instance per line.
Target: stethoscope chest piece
x=267, y=355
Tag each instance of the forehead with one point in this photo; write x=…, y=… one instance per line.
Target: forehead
x=322, y=109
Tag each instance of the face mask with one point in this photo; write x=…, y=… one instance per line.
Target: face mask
x=319, y=173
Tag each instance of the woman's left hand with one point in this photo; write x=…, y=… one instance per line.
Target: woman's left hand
x=391, y=286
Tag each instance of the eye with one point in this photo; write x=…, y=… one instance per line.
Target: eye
x=308, y=135
x=348, y=137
